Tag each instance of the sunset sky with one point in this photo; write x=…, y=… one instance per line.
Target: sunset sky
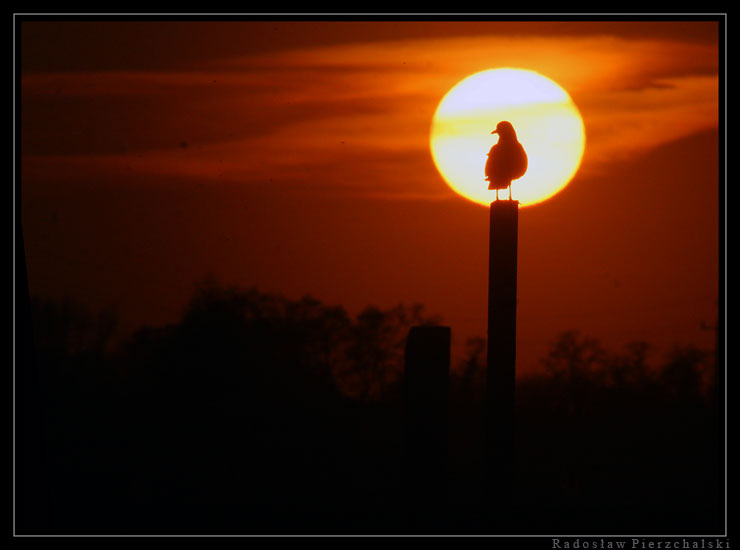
x=294, y=156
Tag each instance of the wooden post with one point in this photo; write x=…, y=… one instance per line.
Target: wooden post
x=426, y=389
x=501, y=367
x=34, y=493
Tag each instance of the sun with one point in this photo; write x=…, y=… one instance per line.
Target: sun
x=546, y=121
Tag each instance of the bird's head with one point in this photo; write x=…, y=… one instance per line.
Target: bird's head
x=505, y=130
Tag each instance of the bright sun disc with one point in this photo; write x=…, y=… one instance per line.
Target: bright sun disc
x=547, y=124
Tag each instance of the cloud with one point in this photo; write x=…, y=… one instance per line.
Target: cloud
x=355, y=114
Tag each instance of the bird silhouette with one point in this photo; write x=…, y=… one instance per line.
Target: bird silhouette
x=507, y=160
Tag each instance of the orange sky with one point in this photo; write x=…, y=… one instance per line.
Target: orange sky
x=294, y=156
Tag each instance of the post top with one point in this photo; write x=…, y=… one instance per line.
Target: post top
x=505, y=203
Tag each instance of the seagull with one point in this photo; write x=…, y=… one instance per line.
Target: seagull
x=507, y=160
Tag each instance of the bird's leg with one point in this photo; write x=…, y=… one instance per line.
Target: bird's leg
x=496, y=194
x=509, y=191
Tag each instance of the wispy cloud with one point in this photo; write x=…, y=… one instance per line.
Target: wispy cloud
x=356, y=115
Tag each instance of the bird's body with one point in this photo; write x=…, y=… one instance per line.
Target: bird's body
x=507, y=160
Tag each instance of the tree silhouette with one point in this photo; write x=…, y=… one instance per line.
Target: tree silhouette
x=373, y=358
x=258, y=413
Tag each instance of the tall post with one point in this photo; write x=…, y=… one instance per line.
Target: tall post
x=34, y=502
x=427, y=373
x=501, y=367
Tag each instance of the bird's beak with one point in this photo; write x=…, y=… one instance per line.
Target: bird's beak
x=495, y=132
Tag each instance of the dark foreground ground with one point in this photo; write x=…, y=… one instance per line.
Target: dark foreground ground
x=256, y=414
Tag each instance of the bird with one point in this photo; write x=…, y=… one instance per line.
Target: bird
x=507, y=160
